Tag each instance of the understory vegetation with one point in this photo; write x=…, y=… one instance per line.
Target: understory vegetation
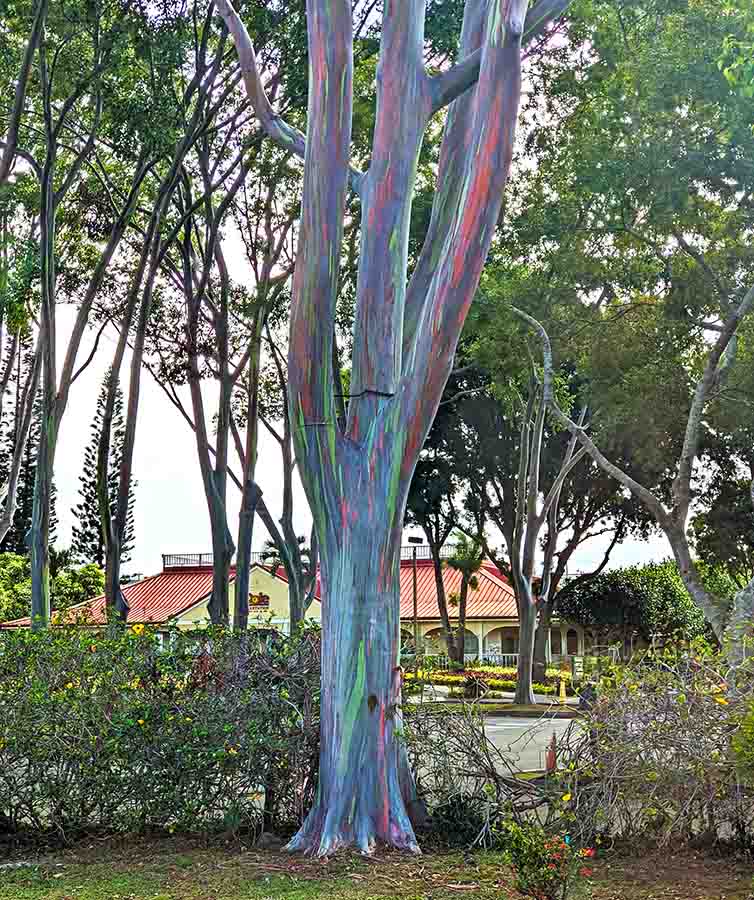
x=219, y=732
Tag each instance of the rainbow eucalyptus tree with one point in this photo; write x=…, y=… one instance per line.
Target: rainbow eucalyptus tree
x=405, y=333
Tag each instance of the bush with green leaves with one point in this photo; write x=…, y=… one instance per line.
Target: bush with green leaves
x=649, y=599
x=114, y=733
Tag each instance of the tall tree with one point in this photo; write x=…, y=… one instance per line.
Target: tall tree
x=87, y=542
x=78, y=112
x=357, y=477
x=675, y=208
x=189, y=107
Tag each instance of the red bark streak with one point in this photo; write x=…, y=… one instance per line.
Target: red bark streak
x=385, y=799
x=343, y=514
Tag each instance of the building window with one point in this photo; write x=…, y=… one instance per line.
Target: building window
x=572, y=642
x=510, y=640
x=556, y=642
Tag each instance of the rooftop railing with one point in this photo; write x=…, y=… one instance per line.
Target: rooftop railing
x=199, y=560
x=204, y=560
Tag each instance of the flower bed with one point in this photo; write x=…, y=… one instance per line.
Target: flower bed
x=497, y=679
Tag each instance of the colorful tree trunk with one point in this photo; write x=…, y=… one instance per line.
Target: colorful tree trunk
x=357, y=478
x=360, y=798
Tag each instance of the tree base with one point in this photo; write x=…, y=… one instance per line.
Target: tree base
x=318, y=838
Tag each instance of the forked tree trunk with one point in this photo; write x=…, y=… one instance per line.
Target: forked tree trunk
x=356, y=479
x=365, y=791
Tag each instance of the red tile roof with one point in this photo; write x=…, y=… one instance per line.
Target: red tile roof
x=493, y=598
x=154, y=599
x=165, y=596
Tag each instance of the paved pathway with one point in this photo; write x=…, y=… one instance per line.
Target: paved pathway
x=524, y=741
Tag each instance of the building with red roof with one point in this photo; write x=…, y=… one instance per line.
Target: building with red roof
x=178, y=597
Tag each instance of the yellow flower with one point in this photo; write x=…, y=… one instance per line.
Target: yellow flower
x=188, y=718
x=565, y=798
x=721, y=700
x=232, y=751
x=69, y=686
x=140, y=721
x=138, y=628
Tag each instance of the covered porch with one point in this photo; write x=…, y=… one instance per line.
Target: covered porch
x=496, y=642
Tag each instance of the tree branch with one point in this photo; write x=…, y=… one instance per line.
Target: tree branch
x=403, y=111
x=283, y=134
x=449, y=85
x=14, y=120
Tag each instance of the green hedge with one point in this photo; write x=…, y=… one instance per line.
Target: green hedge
x=112, y=733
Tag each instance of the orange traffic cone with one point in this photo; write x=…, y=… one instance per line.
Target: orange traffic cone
x=551, y=758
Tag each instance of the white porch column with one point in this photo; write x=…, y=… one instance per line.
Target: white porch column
x=477, y=628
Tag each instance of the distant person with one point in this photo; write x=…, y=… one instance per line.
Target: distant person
x=588, y=696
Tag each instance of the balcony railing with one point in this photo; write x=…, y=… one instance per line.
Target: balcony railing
x=200, y=560
x=204, y=560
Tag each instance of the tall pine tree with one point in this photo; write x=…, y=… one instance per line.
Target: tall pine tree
x=88, y=544
x=15, y=539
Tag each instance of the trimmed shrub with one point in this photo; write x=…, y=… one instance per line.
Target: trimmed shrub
x=112, y=733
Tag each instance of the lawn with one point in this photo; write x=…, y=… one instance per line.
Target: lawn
x=175, y=870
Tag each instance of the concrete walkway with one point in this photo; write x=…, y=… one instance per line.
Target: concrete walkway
x=525, y=741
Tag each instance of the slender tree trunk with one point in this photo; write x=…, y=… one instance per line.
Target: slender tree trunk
x=250, y=492
x=249, y=499
x=222, y=556
x=442, y=605
x=540, y=640
x=527, y=616
x=461, y=638
x=39, y=533
x=364, y=792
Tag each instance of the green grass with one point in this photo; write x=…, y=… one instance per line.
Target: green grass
x=173, y=870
